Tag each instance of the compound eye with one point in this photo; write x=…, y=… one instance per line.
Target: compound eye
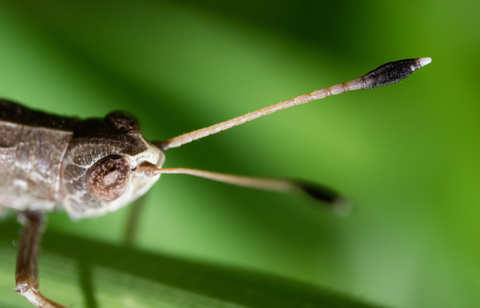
x=108, y=178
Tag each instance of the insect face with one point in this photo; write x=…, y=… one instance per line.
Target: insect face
x=103, y=173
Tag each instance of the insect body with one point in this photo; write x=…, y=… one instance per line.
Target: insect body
x=87, y=167
x=95, y=166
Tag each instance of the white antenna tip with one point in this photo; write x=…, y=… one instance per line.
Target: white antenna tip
x=424, y=61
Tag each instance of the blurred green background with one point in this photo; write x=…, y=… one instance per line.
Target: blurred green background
x=407, y=154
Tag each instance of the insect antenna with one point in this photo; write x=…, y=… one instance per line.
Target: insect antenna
x=383, y=75
x=327, y=196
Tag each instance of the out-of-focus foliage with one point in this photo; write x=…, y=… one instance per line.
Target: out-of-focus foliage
x=406, y=154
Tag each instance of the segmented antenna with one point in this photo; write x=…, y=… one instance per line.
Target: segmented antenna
x=386, y=74
x=327, y=196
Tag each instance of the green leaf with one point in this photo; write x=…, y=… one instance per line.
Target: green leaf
x=79, y=272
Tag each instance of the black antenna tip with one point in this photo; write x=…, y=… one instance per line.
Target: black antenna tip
x=393, y=72
x=334, y=201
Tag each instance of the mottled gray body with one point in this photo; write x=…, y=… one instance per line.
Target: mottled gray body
x=30, y=159
x=44, y=159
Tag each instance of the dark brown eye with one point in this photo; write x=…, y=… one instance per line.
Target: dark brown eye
x=108, y=178
x=122, y=122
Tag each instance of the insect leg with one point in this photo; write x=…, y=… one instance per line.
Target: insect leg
x=133, y=221
x=26, y=275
